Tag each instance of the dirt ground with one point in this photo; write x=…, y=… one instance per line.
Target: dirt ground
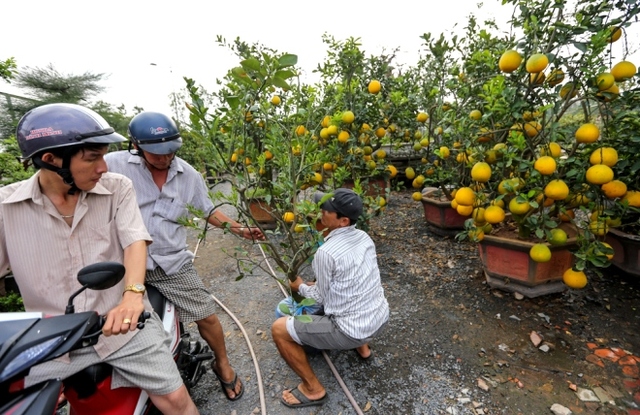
x=453, y=345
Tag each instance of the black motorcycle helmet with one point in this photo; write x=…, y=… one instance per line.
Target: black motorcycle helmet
x=69, y=127
x=155, y=133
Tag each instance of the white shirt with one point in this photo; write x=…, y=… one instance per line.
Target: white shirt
x=348, y=282
x=161, y=209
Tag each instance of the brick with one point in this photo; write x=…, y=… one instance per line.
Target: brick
x=631, y=371
x=606, y=354
x=592, y=358
x=627, y=360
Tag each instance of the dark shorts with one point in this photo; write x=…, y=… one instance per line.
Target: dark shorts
x=185, y=290
x=323, y=334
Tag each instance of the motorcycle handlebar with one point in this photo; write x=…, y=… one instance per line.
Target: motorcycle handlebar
x=92, y=338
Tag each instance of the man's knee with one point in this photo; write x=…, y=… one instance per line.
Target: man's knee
x=211, y=320
x=177, y=401
x=279, y=328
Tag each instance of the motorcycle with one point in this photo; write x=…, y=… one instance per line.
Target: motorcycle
x=27, y=339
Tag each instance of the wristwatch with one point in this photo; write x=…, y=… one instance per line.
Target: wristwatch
x=136, y=288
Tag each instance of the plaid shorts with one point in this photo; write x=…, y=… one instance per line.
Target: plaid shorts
x=185, y=290
x=144, y=362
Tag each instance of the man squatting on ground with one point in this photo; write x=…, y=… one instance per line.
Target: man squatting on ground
x=73, y=213
x=347, y=286
x=165, y=185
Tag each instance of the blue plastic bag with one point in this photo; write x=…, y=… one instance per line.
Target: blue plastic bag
x=297, y=309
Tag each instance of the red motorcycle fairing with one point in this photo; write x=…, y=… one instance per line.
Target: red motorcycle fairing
x=107, y=401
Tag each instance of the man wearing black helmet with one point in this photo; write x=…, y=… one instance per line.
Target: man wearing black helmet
x=73, y=213
x=165, y=185
x=347, y=286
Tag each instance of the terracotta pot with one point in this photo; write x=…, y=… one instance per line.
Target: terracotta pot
x=507, y=265
x=626, y=251
x=261, y=212
x=441, y=218
x=372, y=186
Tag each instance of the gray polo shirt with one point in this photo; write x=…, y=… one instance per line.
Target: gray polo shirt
x=161, y=209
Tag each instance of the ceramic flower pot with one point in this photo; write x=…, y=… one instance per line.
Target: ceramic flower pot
x=441, y=218
x=507, y=265
x=626, y=251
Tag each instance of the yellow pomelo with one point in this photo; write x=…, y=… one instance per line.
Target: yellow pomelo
x=464, y=210
x=392, y=170
x=275, y=100
x=633, y=198
x=569, y=90
x=465, y=196
x=478, y=215
x=299, y=228
x=422, y=117
x=409, y=173
x=509, y=61
x=598, y=227
x=300, y=130
x=417, y=196
x=374, y=87
x=288, y=217
x=475, y=115
x=476, y=234
x=609, y=248
x=532, y=128
x=494, y=214
x=518, y=208
x=537, y=63
x=615, y=33
x=553, y=149
x=343, y=137
x=348, y=117
x=587, y=133
x=556, y=190
x=332, y=129
x=326, y=121
x=574, y=279
x=380, y=154
x=599, y=174
x=381, y=132
x=604, y=155
x=481, y=172
x=604, y=81
x=444, y=152
x=540, y=253
x=558, y=237
x=555, y=77
x=545, y=165
x=623, y=70
x=614, y=189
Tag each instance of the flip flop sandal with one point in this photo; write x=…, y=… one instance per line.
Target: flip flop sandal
x=366, y=359
x=304, y=401
x=228, y=386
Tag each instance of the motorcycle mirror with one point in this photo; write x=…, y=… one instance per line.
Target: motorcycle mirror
x=101, y=276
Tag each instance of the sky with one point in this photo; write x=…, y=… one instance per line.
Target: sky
x=146, y=47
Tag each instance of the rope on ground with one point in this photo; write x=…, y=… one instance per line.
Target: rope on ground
x=263, y=406
x=344, y=387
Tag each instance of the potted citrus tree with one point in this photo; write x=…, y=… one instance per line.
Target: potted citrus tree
x=536, y=169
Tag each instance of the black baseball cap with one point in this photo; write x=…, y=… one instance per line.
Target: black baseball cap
x=344, y=201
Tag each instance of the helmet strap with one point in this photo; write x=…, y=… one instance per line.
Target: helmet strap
x=64, y=172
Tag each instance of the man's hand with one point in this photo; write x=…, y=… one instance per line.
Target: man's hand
x=252, y=233
x=124, y=317
x=296, y=284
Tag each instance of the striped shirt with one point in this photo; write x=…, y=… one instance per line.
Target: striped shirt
x=348, y=282
x=161, y=209
x=45, y=254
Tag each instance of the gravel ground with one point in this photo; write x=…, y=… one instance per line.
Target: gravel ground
x=449, y=337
